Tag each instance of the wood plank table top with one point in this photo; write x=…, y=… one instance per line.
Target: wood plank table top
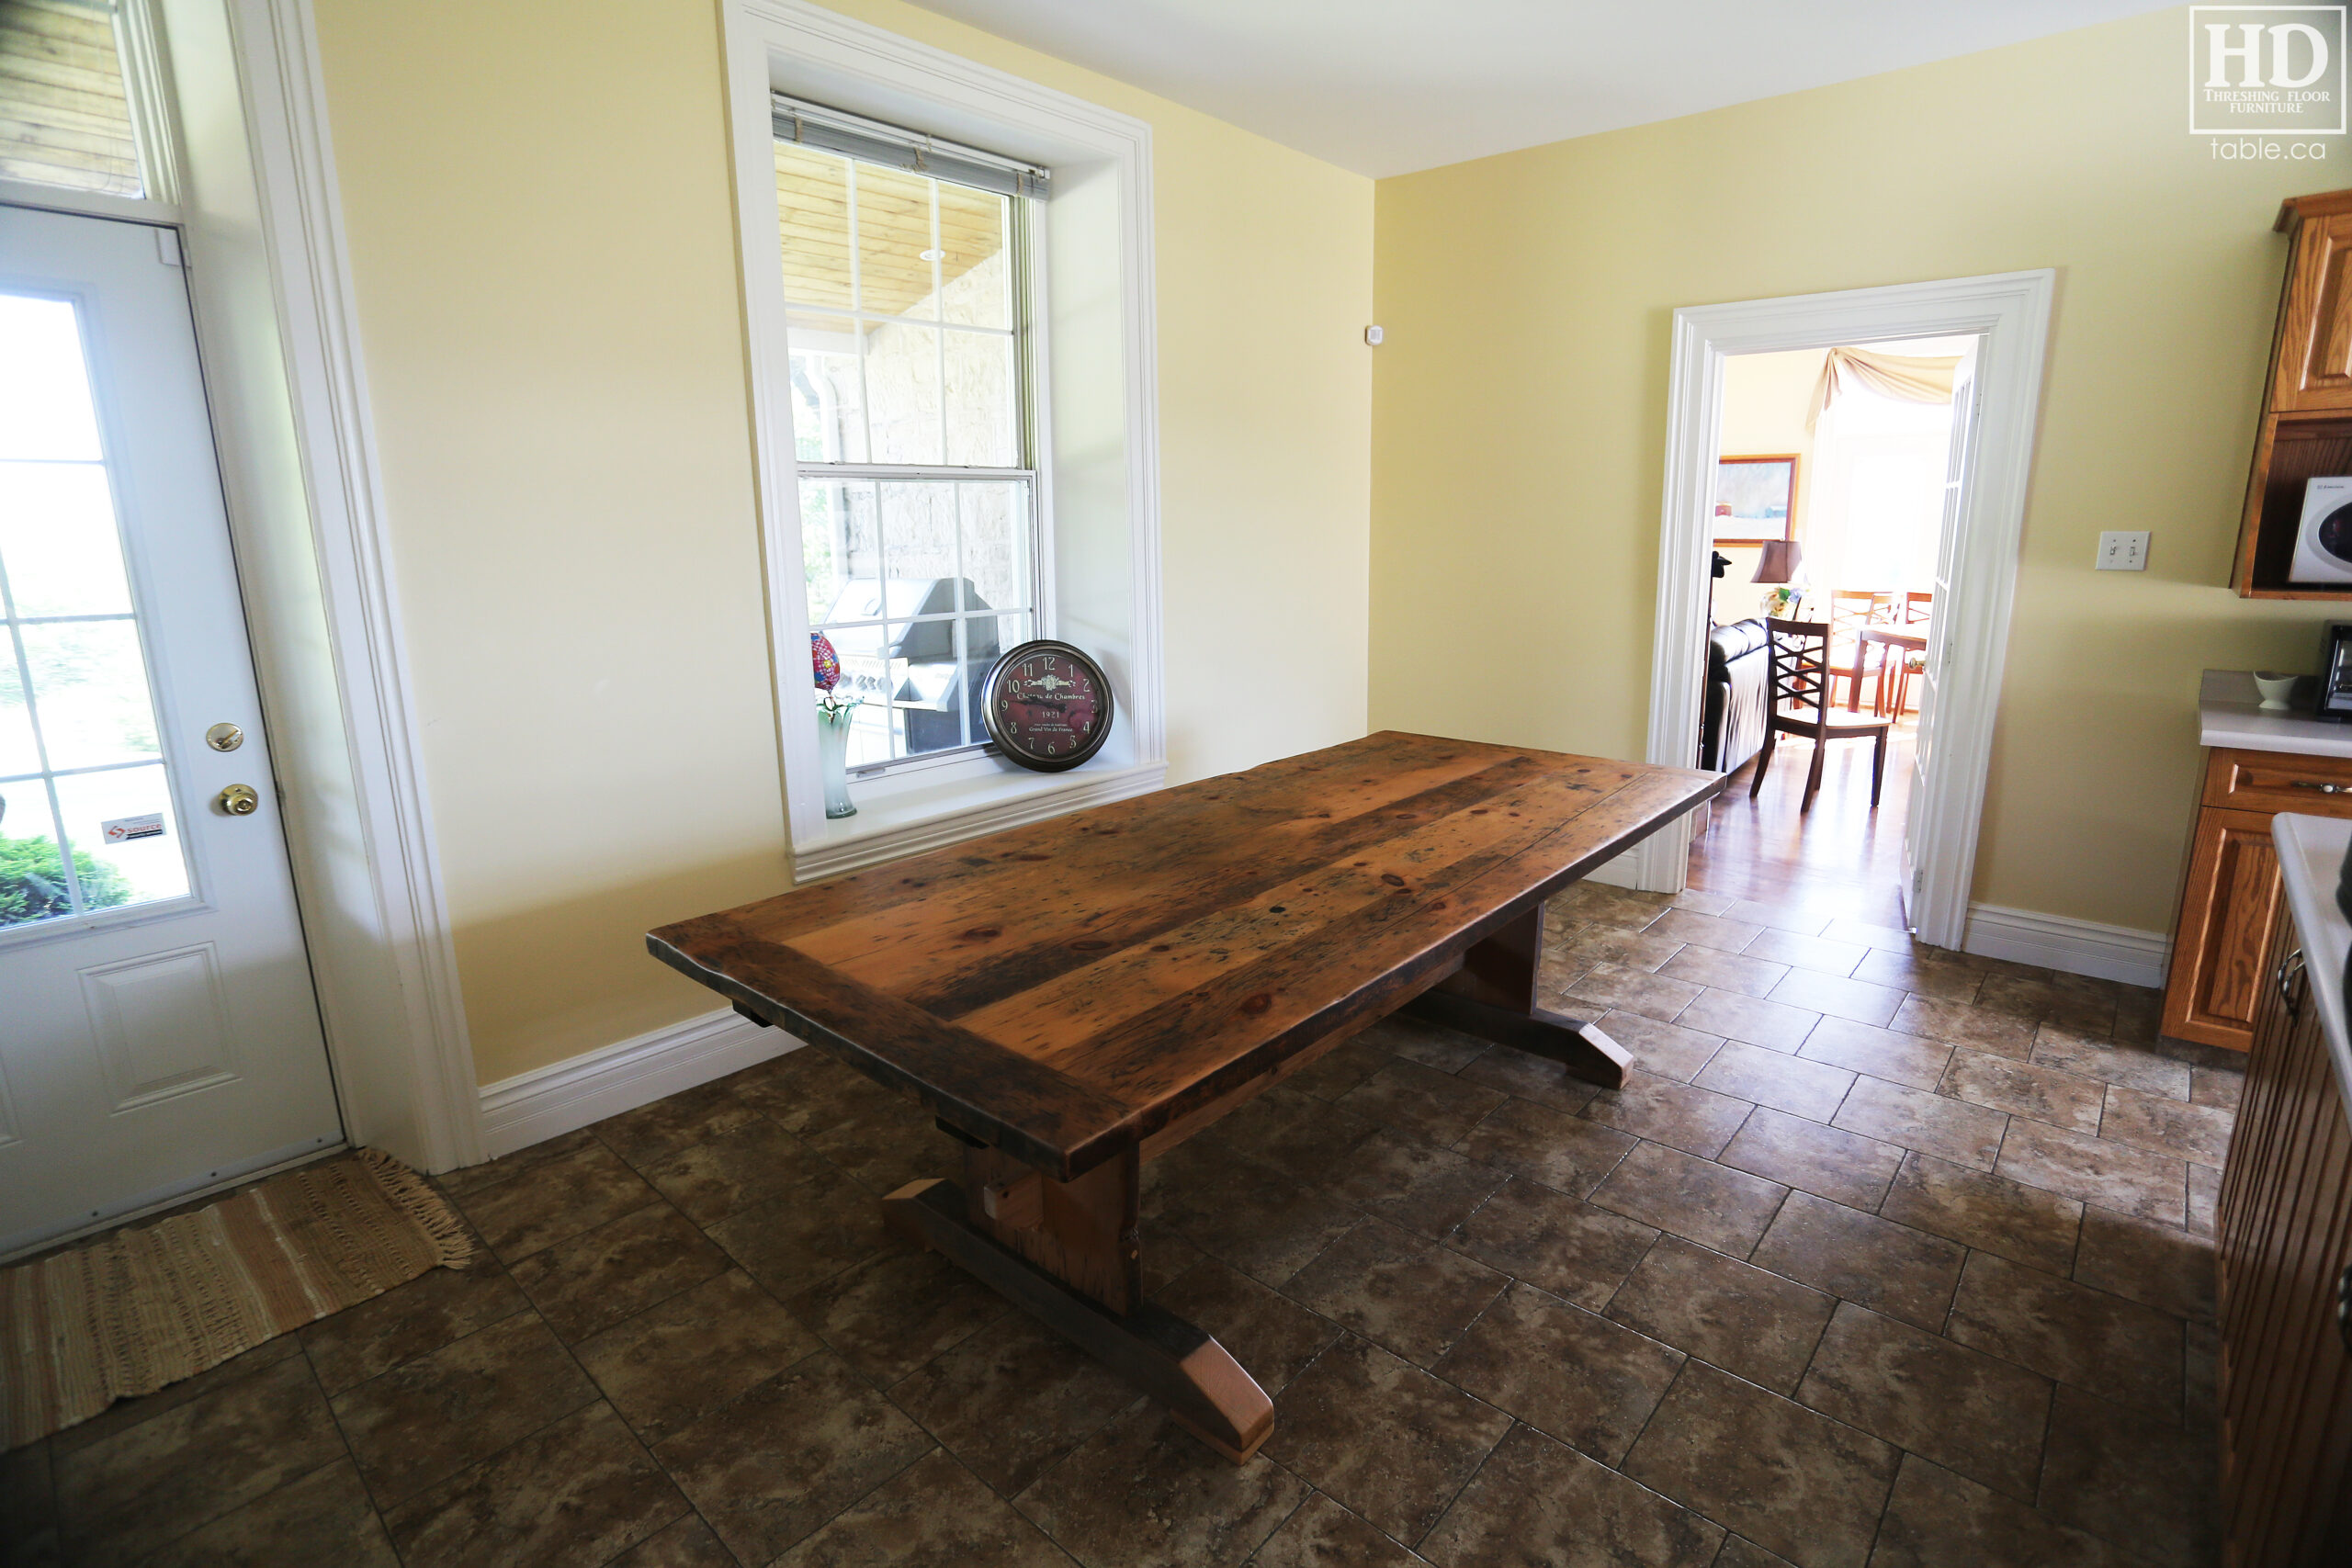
x=1062, y=991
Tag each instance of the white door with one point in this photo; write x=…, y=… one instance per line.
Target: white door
x=158, y=1032
x=1918, y=831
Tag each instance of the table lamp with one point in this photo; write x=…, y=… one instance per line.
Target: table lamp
x=1781, y=561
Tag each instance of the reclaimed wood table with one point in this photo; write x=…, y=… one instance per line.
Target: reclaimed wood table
x=1073, y=997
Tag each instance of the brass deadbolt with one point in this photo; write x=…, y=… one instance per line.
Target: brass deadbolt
x=238, y=800
x=224, y=737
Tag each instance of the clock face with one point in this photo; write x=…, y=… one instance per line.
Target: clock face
x=1048, y=706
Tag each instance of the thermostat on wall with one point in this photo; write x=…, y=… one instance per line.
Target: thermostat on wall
x=2324, y=542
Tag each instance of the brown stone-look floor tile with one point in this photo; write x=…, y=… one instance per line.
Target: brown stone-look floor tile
x=1937, y=1519
x=1807, y=1088
x=1969, y=1412
x=2158, y=1266
x=1143, y=1492
x=2134, y=1066
x=933, y=1511
x=672, y=1363
x=1273, y=1336
x=2071, y=1001
x=881, y=1140
x=1964, y=1023
x=777, y=1462
x=325, y=1517
x=1900, y=1271
x=1614, y=944
x=1741, y=1318
x=1708, y=933
x=1811, y=951
x=2204, y=1195
x=1342, y=1067
x=1262, y=1222
x=1427, y=1189
x=1324, y=1535
x=2202, y=1392
x=1555, y=1243
x=890, y=1316
x=1397, y=1290
x=1567, y=1153
x=1528, y=1077
x=28, y=1508
x=2119, y=1349
x=2096, y=1170
x=2025, y=1089
x=140, y=1486
x=1012, y=1399
x=1611, y=985
x=1708, y=1203
x=1600, y=903
x=1773, y=1024
x=1740, y=1553
x=1947, y=1129
x=1431, y=1044
x=752, y=1163
x=1296, y=1135
x=825, y=1225
x=1419, y=1100
x=1723, y=971
x=1838, y=996
x=582, y=1490
x=620, y=1267
x=408, y=1321
x=689, y=1543
x=2022, y=1224
x=124, y=1413
x=1662, y=1050
x=1906, y=1059
x=1538, y=1502
x=455, y=1184
x=426, y=1419
x=1582, y=1379
x=2218, y=1086
x=2146, y=1486
x=690, y=1116
x=2187, y=1130
x=1695, y=1120
x=555, y=1201
x=1386, y=1440
x=1805, y=1154
x=1788, y=1478
x=1929, y=976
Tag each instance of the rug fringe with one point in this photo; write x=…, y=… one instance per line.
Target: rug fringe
x=416, y=1198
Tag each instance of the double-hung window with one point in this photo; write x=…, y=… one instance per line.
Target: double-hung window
x=909, y=295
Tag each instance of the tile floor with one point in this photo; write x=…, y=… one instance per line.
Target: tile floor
x=1885, y=1257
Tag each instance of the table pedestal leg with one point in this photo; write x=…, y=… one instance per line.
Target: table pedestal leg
x=1199, y=1383
x=1493, y=998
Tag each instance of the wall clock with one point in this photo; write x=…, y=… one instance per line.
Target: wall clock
x=1048, y=706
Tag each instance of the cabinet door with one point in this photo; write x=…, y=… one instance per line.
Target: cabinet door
x=2228, y=912
x=2314, y=369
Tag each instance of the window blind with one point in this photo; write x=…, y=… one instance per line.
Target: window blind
x=874, y=141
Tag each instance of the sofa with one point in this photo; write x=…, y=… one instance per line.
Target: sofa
x=1740, y=669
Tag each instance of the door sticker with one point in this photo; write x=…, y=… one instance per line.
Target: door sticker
x=123, y=829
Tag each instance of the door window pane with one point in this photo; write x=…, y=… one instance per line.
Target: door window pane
x=58, y=541
x=121, y=821
x=45, y=410
x=89, y=687
x=32, y=879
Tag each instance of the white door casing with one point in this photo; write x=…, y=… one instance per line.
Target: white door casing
x=172, y=1042
x=2009, y=312
x=1919, y=829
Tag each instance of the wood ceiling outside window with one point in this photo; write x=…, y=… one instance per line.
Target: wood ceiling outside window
x=64, y=116
x=893, y=231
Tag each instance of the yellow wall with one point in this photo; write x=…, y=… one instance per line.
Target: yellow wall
x=1765, y=399
x=1520, y=412
x=543, y=247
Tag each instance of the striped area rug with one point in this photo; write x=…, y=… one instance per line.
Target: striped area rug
x=151, y=1305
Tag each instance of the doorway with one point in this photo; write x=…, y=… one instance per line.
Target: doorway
x=161, y=1034
x=1955, y=682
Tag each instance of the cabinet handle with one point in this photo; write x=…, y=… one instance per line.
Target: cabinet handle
x=2324, y=788
x=2290, y=969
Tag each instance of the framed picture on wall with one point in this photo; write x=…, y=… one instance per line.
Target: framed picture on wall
x=1755, y=498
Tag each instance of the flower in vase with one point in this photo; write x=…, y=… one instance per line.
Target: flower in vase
x=824, y=662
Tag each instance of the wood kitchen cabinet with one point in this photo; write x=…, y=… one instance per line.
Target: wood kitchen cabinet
x=2230, y=907
x=2305, y=426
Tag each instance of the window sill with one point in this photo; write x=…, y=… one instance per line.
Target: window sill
x=894, y=822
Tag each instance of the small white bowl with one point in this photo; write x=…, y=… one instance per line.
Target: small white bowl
x=2275, y=689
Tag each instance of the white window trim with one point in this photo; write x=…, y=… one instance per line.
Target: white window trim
x=805, y=50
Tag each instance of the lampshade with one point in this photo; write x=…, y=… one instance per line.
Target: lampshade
x=1778, y=561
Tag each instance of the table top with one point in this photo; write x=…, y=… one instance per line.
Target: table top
x=1065, y=989
x=1898, y=636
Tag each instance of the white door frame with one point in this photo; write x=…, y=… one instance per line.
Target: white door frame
x=2011, y=312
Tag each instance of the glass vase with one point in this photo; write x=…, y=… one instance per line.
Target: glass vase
x=832, y=753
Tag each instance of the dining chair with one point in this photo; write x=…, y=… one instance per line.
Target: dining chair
x=1801, y=678
x=1851, y=609
x=1918, y=608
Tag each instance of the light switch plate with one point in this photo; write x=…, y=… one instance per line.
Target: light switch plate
x=2123, y=551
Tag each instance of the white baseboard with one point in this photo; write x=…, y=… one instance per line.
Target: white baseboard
x=2077, y=947
x=546, y=1102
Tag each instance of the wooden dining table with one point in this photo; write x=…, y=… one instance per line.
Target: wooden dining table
x=1894, y=644
x=1073, y=997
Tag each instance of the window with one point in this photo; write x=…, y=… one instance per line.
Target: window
x=906, y=292
x=65, y=116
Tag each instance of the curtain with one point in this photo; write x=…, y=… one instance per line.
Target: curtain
x=1889, y=374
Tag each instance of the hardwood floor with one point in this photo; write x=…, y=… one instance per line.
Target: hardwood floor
x=1841, y=856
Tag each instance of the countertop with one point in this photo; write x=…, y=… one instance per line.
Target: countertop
x=2311, y=857
x=2229, y=713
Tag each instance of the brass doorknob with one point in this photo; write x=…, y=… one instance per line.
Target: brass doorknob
x=238, y=800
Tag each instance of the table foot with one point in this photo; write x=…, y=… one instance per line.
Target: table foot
x=1579, y=1046
x=1195, y=1378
